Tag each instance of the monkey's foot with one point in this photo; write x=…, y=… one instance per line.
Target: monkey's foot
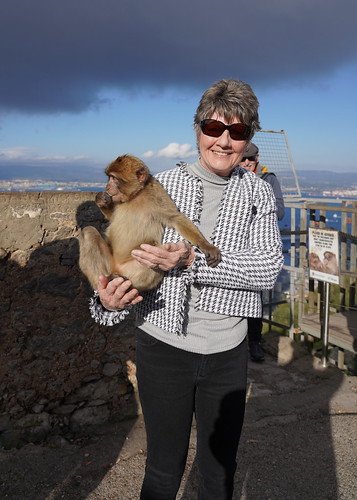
x=212, y=254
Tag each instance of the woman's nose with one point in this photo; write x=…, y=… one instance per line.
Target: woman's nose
x=224, y=139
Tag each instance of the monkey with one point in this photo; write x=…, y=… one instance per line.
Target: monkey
x=315, y=262
x=330, y=263
x=138, y=208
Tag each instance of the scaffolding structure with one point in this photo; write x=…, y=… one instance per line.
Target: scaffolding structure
x=275, y=154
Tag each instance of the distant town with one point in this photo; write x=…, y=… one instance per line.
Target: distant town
x=337, y=193
x=45, y=185
x=319, y=188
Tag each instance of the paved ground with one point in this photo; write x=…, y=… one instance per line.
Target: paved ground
x=299, y=442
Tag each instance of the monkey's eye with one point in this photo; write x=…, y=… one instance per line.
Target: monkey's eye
x=114, y=179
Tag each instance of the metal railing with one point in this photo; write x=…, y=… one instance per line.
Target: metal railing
x=305, y=295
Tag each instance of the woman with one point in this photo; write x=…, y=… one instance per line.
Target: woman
x=191, y=347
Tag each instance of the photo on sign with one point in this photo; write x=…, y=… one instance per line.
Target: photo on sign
x=324, y=255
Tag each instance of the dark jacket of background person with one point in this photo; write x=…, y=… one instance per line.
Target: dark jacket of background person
x=271, y=178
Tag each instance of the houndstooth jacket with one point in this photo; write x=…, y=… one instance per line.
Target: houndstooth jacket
x=248, y=236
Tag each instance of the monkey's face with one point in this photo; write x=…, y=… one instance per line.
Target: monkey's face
x=127, y=176
x=113, y=189
x=315, y=262
x=330, y=262
x=328, y=256
x=122, y=188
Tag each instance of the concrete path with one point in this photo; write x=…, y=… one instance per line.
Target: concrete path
x=299, y=442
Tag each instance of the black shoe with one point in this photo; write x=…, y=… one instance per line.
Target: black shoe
x=256, y=351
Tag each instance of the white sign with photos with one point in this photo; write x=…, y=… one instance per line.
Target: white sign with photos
x=324, y=255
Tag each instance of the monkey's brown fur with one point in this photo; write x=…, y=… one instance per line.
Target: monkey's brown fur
x=138, y=208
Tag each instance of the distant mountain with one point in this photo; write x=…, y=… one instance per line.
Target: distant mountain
x=325, y=179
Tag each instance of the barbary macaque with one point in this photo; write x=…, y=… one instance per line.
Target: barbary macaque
x=315, y=262
x=330, y=263
x=138, y=208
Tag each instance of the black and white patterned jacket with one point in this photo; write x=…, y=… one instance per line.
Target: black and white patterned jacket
x=248, y=236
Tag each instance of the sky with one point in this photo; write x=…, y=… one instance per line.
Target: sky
x=84, y=81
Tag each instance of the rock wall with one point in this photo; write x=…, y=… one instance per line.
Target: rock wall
x=61, y=375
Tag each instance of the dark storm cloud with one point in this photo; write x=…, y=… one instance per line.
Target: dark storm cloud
x=59, y=55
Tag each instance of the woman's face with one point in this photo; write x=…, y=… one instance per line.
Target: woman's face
x=250, y=163
x=220, y=155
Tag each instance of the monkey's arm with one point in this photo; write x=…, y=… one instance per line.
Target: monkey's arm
x=190, y=232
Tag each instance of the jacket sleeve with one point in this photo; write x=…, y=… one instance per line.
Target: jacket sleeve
x=257, y=264
x=280, y=207
x=102, y=315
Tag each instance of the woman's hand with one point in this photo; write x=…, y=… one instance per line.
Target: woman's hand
x=117, y=293
x=167, y=257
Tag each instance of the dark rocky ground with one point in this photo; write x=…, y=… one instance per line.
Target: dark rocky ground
x=299, y=442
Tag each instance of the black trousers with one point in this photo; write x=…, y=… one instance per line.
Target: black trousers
x=174, y=385
x=255, y=326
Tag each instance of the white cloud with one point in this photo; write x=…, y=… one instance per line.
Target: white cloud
x=148, y=154
x=172, y=150
x=25, y=153
x=175, y=150
x=16, y=153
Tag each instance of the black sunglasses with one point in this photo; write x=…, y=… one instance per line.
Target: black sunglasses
x=249, y=158
x=215, y=128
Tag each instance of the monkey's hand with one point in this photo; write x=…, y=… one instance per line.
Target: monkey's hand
x=104, y=200
x=212, y=253
x=117, y=293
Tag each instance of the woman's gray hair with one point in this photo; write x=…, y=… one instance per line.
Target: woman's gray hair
x=230, y=99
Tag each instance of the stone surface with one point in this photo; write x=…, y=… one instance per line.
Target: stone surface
x=54, y=359
x=298, y=442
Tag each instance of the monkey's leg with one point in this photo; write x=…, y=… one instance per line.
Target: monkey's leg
x=190, y=232
x=95, y=256
x=140, y=276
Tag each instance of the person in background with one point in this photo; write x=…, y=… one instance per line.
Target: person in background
x=250, y=162
x=191, y=349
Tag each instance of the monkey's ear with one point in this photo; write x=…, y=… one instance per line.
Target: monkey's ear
x=142, y=174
